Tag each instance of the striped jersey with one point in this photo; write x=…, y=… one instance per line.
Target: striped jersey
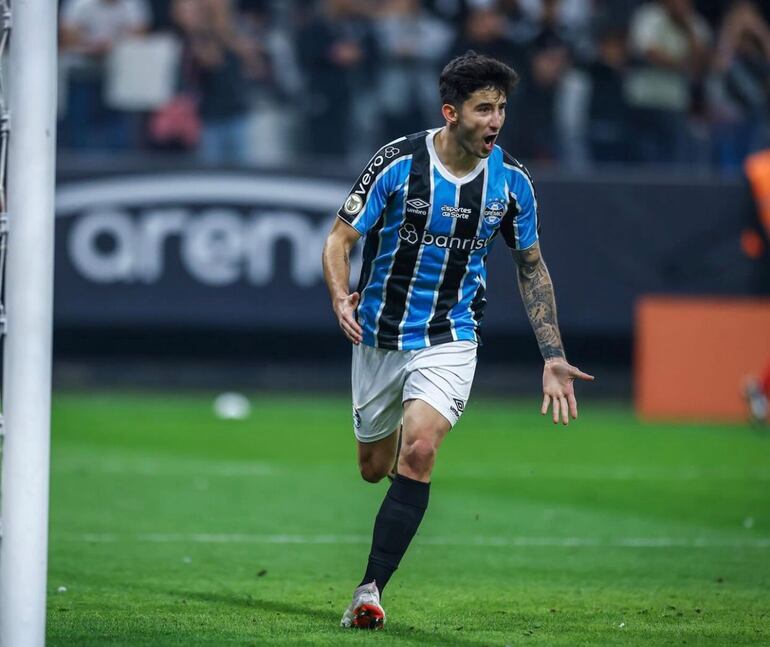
x=428, y=234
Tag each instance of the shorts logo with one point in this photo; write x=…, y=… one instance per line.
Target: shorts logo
x=494, y=212
x=353, y=204
x=459, y=404
x=356, y=418
x=390, y=151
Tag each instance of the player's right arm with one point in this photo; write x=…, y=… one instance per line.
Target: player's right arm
x=381, y=177
x=336, y=263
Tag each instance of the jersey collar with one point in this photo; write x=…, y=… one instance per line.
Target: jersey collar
x=443, y=170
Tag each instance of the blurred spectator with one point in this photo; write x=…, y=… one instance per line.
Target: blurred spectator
x=89, y=30
x=221, y=57
x=452, y=11
x=549, y=59
x=278, y=93
x=487, y=30
x=740, y=87
x=337, y=50
x=608, y=131
x=413, y=45
x=573, y=18
x=614, y=13
x=670, y=44
x=161, y=14
x=755, y=237
x=572, y=15
x=648, y=86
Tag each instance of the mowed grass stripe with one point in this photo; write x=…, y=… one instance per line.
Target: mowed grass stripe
x=149, y=465
x=487, y=542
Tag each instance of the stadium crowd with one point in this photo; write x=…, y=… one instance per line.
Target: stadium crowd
x=684, y=82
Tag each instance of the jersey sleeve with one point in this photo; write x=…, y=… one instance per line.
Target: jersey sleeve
x=383, y=176
x=520, y=226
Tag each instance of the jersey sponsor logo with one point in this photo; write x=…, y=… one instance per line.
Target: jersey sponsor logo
x=494, y=212
x=417, y=206
x=353, y=204
x=373, y=169
x=408, y=233
x=460, y=213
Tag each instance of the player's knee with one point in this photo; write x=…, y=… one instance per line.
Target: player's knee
x=372, y=472
x=419, y=455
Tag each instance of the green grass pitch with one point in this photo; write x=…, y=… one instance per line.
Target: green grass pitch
x=170, y=527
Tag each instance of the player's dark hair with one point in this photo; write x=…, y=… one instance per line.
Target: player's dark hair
x=465, y=74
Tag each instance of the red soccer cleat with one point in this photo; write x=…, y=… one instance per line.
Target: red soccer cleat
x=365, y=610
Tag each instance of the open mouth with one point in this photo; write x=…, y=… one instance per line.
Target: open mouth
x=489, y=141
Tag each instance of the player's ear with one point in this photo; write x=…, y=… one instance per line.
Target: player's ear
x=450, y=113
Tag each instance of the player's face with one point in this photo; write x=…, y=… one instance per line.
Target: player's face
x=480, y=119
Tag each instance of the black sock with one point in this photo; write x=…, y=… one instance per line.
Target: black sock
x=397, y=522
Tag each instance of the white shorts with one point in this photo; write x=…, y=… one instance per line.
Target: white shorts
x=383, y=380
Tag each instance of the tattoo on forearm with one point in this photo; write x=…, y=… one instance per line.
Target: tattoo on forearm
x=539, y=301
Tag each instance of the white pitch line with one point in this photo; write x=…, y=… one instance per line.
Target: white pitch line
x=469, y=542
x=160, y=467
x=613, y=473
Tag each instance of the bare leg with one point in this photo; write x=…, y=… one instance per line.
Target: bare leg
x=424, y=430
x=376, y=459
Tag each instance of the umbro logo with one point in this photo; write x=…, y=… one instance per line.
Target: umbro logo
x=418, y=203
x=417, y=206
x=460, y=408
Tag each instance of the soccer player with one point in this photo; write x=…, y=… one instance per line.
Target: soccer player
x=430, y=205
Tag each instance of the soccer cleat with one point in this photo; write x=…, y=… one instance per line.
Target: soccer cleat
x=365, y=611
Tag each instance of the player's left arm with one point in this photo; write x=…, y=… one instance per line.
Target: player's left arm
x=537, y=294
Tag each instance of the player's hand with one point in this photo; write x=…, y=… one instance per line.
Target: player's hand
x=558, y=390
x=345, y=309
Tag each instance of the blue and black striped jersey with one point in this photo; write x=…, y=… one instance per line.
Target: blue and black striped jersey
x=428, y=234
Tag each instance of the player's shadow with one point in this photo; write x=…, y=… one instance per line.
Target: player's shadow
x=330, y=617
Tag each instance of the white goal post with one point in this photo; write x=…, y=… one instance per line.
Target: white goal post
x=28, y=306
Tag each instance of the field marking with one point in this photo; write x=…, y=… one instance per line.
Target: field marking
x=467, y=542
x=169, y=466
x=613, y=473
x=161, y=467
